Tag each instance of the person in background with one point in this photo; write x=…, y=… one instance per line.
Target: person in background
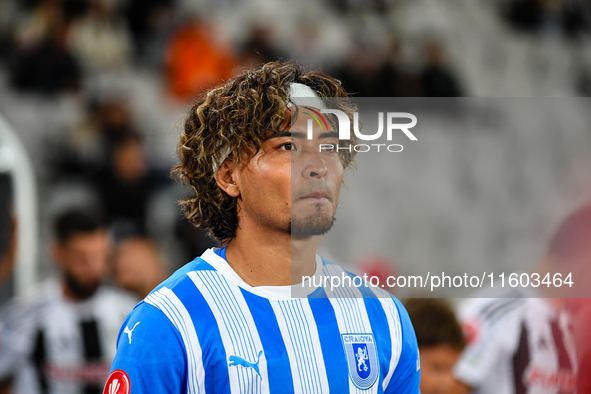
x=522, y=339
x=437, y=78
x=138, y=265
x=100, y=38
x=440, y=340
x=196, y=60
x=60, y=337
x=128, y=183
x=46, y=64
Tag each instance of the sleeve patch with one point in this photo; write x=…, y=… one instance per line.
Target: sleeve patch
x=118, y=383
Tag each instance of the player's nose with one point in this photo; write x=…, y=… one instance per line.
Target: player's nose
x=314, y=166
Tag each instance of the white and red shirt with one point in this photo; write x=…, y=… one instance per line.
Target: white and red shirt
x=516, y=346
x=51, y=344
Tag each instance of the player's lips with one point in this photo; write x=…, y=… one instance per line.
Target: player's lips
x=317, y=196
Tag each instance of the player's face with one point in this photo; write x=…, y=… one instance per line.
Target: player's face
x=317, y=176
x=83, y=259
x=137, y=265
x=290, y=184
x=437, y=364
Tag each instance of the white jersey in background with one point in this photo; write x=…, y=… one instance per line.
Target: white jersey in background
x=516, y=346
x=52, y=345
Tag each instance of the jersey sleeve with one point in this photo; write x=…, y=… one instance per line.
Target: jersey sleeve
x=407, y=375
x=150, y=355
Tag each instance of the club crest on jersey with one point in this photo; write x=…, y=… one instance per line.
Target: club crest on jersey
x=362, y=359
x=118, y=383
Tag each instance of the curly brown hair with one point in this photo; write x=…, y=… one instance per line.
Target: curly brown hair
x=232, y=120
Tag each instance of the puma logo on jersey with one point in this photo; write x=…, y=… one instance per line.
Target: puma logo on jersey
x=130, y=332
x=235, y=360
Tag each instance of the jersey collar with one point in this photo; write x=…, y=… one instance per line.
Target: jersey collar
x=300, y=290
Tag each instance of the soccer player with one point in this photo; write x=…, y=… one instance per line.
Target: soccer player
x=227, y=322
x=522, y=341
x=59, y=337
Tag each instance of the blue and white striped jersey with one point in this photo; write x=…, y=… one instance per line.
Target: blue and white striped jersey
x=204, y=330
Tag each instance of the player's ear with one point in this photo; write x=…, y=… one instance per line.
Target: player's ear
x=226, y=178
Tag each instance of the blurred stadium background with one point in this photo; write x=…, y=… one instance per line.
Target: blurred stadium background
x=96, y=91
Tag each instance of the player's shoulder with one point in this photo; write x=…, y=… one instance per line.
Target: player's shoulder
x=151, y=322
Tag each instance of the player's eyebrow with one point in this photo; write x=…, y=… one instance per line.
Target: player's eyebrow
x=285, y=133
x=329, y=134
x=298, y=134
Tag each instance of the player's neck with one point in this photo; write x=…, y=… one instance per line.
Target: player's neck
x=263, y=257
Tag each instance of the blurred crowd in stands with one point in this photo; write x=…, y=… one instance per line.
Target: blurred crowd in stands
x=52, y=48
x=49, y=46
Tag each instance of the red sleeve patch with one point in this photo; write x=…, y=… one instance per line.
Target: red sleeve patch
x=118, y=383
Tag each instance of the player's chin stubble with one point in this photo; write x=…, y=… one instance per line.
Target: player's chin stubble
x=319, y=224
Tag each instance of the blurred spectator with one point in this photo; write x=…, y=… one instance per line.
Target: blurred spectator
x=106, y=154
x=36, y=24
x=127, y=184
x=398, y=79
x=361, y=73
x=42, y=61
x=258, y=48
x=526, y=15
x=368, y=72
x=561, y=17
x=576, y=17
x=436, y=78
x=113, y=119
x=87, y=148
x=138, y=266
x=440, y=340
x=100, y=39
x=60, y=338
x=307, y=46
x=195, y=61
x=536, y=349
x=146, y=19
